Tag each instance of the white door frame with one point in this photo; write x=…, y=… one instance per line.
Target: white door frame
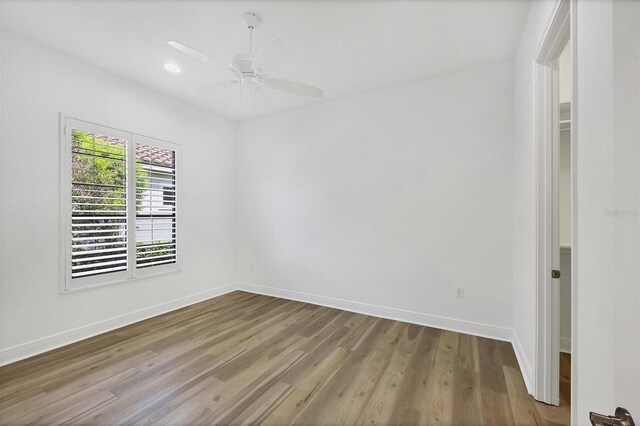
x=547, y=134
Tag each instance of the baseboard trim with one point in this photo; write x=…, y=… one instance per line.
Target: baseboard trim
x=523, y=361
x=38, y=346
x=460, y=326
x=565, y=345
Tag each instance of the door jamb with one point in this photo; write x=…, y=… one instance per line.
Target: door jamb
x=546, y=388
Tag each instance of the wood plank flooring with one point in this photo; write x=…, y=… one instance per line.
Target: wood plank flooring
x=249, y=359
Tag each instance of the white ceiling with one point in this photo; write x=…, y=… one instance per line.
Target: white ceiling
x=344, y=47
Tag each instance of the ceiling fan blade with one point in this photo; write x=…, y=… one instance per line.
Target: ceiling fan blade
x=195, y=53
x=294, y=87
x=270, y=58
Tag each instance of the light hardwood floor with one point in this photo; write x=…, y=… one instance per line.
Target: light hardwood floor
x=245, y=358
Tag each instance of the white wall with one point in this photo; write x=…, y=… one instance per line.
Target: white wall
x=524, y=206
x=607, y=248
x=37, y=83
x=393, y=198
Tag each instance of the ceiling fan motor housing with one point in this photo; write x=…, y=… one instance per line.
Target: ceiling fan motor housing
x=251, y=19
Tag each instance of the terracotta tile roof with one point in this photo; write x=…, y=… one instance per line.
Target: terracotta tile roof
x=154, y=155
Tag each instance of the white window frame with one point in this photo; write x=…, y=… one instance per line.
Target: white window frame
x=133, y=273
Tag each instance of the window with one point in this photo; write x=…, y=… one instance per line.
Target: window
x=155, y=209
x=117, y=182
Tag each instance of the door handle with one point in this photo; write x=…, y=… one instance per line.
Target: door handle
x=622, y=418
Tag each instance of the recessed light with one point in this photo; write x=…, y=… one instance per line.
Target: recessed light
x=171, y=67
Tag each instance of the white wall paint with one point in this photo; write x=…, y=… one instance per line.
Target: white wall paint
x=393, y=198
x=524, y=205
x=607, y=248
x=37, y=83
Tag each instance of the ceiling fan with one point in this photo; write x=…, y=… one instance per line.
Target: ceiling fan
x=253, y=71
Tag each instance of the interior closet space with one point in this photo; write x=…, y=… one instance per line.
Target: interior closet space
x=564, y=70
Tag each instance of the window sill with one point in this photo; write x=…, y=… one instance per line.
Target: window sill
x=120, y=281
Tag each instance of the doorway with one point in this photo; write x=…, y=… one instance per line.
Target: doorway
x=554, y=177
x=564, y=225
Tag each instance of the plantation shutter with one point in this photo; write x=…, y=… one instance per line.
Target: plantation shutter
x=98, y=203
x=117, y=181
x=156, y=203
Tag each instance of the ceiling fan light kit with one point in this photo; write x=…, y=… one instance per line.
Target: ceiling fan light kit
x=254, y=70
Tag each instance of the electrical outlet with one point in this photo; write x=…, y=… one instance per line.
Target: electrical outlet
x=460, y=293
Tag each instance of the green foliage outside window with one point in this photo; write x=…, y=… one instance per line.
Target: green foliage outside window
x=102, y=162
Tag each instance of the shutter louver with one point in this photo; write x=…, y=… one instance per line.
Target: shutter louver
x=98, y=204
x=155, y=206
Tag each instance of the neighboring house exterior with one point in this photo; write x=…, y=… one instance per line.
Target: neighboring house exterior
x=158, y=200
